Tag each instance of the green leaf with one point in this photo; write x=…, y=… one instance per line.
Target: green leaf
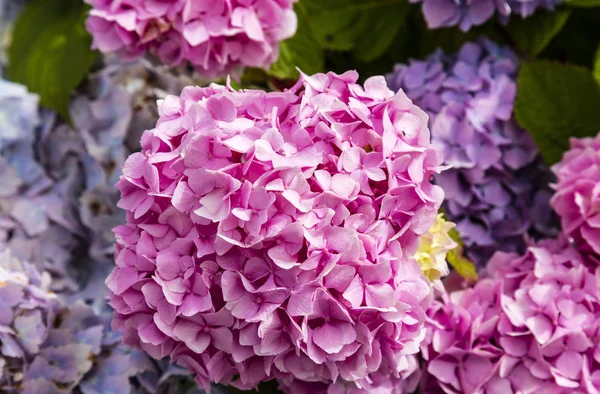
x=533, y=34
x=382, y=27
x=597, y=65
x=456, y=259
x=578, y=39
x=583, y=3
x=302, y=51
x=50, y=51
x=367, y=25
x=555, y=102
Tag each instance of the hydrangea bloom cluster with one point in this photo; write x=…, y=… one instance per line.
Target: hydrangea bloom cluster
x=468, y=13
x=214, y=36
x=577, y=196
x=118, y=103
x=497, y=188
x=531, y=327
x=47, y=347
x=35, y=216
x=273, y=234
x=57, y=203
x=433, y=248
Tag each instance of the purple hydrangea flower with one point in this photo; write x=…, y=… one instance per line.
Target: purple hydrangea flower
x=57, y=208
x=36, y=220
x=497, y=187
x=468, y=13
x=49, y=347
x=530, y=326
x=58, y=202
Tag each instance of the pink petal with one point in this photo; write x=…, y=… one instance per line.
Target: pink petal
x=355, y=292
x=188, y=333
x=332, y=338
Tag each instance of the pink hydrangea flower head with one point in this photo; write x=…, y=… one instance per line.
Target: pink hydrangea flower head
x=273, y=234
x=214, y=36
x=577, y=197
x=530, y=326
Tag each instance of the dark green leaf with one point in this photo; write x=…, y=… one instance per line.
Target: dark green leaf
x=556, y=102
x=597, y=65
x=578, y=39
x=270, y=387
x=533, y=34
x=314, y=7
x=367, y=25
x=50, y=51
x=583, y=3
x=380, y=32
x=301, y=51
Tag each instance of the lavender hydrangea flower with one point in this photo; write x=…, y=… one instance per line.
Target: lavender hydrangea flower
x=497, y=188
x=468, y=13
x=118, y=103
x=35, y=219
x=48, y=347
x=57, y=207
x=58, y=204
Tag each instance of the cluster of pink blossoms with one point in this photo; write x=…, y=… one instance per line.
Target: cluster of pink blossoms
x=272, y=235
x=214, y=36
x=533, y=327
x=577, y=197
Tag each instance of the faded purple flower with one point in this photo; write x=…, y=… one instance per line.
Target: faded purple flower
x=468, y=13
x=497, y=188
x=47, y=346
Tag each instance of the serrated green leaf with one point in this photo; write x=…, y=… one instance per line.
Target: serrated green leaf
x=302, y=51
x=533, y=34
x=50, y=51
x=555, y=102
